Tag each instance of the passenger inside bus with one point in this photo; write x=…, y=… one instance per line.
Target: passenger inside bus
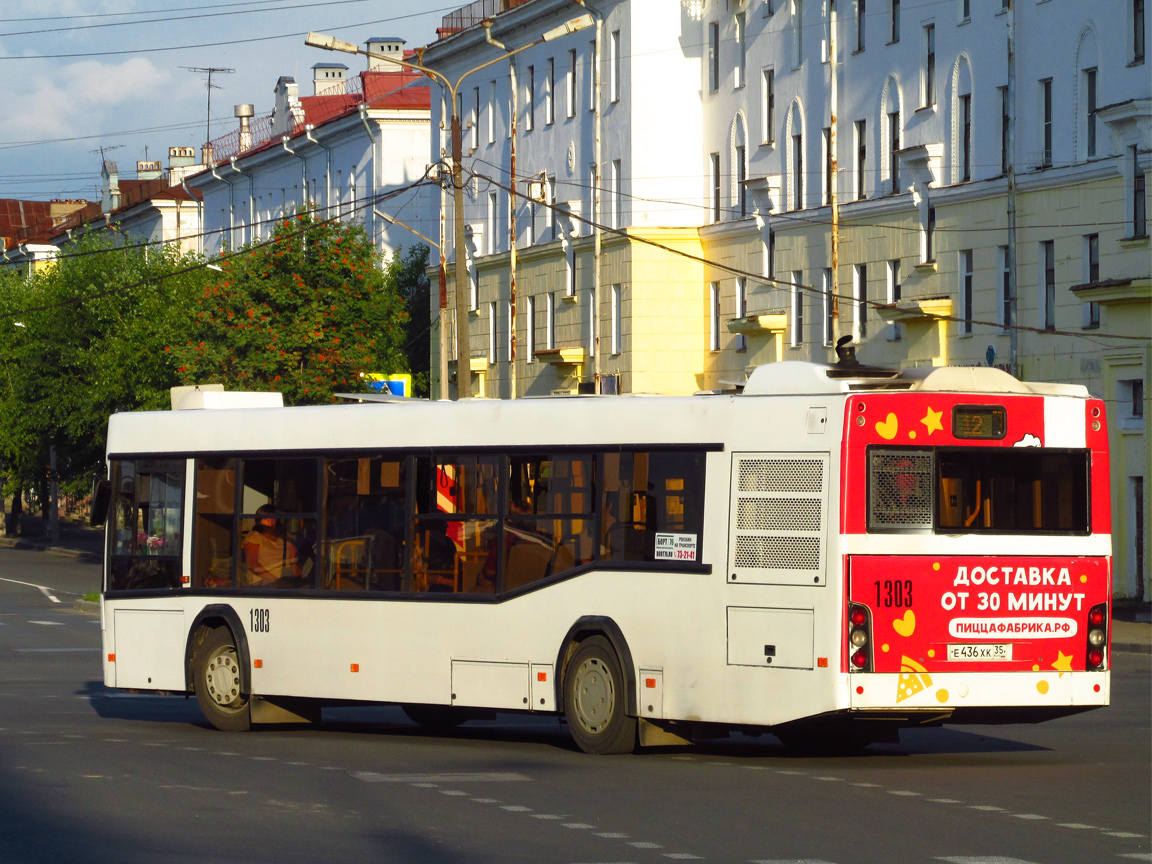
x=268, y=553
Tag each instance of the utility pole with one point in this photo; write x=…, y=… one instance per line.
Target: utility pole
x=1010, y=95
x=834, y=282
x=211, y=70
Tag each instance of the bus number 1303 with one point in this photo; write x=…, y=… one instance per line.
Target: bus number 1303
x=893, y=592
x=258, y=620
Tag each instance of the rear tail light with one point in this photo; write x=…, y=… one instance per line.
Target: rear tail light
x=859, y=638
x=1097, y=637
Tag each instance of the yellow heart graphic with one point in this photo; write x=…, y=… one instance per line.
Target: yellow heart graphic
x=888, y=428
x=905, y=626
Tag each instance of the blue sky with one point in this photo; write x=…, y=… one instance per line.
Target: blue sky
x=63, y=96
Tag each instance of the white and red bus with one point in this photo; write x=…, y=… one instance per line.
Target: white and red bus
x=831, y=554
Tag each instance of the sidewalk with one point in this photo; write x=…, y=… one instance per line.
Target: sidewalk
x=1131, y=622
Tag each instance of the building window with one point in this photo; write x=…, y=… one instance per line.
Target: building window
x=929, y=65
x=591, y=295
x=860, y=14
x=966, y=138
x=798, y=171
x=1005, y=123
x=490, y=245
x=894, y=151
x=965, y=270
x=894, y=16
x=549, y=87
x=714, y=180
x=1091, y=275
x=1090, y=112
x=829, y=305
x=714, y=316
x=768, y=106
x=570, y=270
x=1139, y=205
x=570, y=81
x=797, y=308
x=614, y=43
x=826, y=146
x=550, y=200
x=1046, y=122
x=965, y=11
x=593, y=75
x=1048, y=283
x=492, y=332
x=713, y=57
x=1130, y=396
x=894, y=331
x=741, y=311
x=491, y=112
x=617, y=318
x=771, y=253
x=860, y=292
x=474, y=120
x=530, y=231
x=617, y=195
x=930, y=236
x=1005, y=287
x=1137, y=32
x=549, y=321
x=741, y=176
x=861, y=157
x=509, y=332
x=797, y=33
x=530, y=329
x=741, y=49
x=530, y=106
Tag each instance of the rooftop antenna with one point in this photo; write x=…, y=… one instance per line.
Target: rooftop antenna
x=103, y=150
x=210, y=86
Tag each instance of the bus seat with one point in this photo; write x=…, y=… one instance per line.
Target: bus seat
x=527, y=562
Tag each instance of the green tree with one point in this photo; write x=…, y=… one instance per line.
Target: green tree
x=83, y=339
x=410, y=273
x=306, y=313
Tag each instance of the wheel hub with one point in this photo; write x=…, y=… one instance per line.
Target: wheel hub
x=595, y=696
x=223, y=677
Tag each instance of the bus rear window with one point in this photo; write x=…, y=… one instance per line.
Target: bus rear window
x=1016, y=490
x=1021, y=490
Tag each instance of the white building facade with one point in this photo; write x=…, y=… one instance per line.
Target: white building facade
x=989, y=211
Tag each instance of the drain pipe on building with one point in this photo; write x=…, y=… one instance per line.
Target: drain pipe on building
x=597, y=157
x=327, y=170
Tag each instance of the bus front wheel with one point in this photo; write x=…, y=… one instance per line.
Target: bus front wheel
x=216, y=669
x=594, y=700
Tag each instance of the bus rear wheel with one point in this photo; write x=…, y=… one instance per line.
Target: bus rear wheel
x=594, y=700
x=216, y=677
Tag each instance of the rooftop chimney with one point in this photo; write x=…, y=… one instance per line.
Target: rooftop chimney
x=148, y=170
x=328, y=78
x=389, y=46
x=245, y=113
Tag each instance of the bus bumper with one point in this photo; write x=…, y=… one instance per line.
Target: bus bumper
x=960, y=691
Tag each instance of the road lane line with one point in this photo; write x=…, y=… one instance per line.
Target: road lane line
x=490, y=777
x=42, y=588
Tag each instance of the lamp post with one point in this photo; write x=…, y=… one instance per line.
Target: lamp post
x=463, y=346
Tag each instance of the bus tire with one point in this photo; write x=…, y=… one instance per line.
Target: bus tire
x=435, y=718
x=594, y=700
x=216, y=678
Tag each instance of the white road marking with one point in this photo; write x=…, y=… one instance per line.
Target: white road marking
x=262, y=758
x=987, y=807
x=830, y=779
x=986, y=859
x=1029, y=816
x=1138, y=856
x=868, y=785
x=547, y=816
x=453, y=792
x=515, y=808
x=576, y=824
x=644, y=844
x=486, y=800
x=44, y=589
x=1080, y=826
x=1125, y=834
x=905, y=793
x=790, y=861
x=945, y=801
x=612, y=835
x=48, y=623
x=682, y=856
x=492, y=777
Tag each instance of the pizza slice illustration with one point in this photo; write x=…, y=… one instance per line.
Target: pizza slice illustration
x=914, y=678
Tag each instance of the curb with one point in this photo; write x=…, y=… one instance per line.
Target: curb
x=88, y=607
x=27, y=546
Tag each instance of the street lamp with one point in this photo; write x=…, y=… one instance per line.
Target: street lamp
x=463, y=347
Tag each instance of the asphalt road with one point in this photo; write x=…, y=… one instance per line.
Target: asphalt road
x=91, y=775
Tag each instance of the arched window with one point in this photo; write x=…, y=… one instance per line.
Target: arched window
x=963, y=140
x=738, y=194
x=795, y=183
x=891, y=134
x=1088, y=144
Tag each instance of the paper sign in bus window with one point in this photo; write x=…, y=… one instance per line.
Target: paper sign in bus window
x=675, y=547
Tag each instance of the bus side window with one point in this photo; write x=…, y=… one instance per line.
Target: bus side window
x=147, y=521
x=214, y=522
x=650, y=493
x=278, y=523
x=364, y=523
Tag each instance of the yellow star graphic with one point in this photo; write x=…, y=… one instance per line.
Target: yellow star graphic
x=1063, y=663
x=932, y=421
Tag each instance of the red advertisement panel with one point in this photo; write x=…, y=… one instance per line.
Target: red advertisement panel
x=988, y=614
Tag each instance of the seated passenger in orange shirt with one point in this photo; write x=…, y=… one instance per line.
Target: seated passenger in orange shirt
x=268, y=554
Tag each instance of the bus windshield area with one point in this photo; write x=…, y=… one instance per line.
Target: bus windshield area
x=979, y=489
